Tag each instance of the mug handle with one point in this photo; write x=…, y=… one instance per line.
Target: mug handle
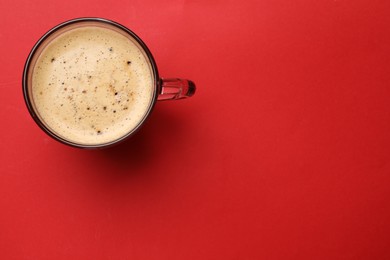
x=174, y=88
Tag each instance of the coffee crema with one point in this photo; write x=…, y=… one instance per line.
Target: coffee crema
x=92, y=85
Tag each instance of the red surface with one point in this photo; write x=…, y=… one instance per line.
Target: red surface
x=283, y=153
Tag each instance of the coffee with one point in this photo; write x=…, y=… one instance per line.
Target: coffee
x=91, y=85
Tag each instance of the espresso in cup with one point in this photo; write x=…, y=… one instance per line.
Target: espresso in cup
x=91, y=83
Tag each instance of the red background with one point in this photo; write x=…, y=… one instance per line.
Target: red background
x=283, y=153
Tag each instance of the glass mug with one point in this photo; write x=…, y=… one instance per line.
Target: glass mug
x=92, y=83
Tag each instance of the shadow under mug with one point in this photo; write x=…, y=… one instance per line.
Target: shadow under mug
x=163, y=88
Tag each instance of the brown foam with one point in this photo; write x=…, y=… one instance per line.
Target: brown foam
x=92, y=85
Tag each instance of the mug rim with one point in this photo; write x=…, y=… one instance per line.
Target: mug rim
x=51, y=133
